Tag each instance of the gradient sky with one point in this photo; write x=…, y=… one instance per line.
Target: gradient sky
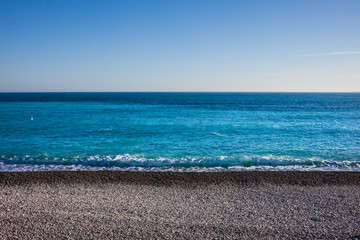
x=175, y=45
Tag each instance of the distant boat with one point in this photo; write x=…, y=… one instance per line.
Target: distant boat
x=31, y=118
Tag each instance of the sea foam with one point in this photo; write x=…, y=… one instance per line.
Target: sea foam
x=127, y=162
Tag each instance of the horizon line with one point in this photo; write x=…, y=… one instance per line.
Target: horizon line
x=179, y=91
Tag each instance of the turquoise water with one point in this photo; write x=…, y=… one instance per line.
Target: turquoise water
x=179, y=131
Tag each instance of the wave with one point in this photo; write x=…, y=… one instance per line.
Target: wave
x=129, y=162
x=218, y=134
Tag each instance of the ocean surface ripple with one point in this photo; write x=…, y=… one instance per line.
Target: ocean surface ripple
x=180, y=131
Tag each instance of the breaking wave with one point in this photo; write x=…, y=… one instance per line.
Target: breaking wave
x=129, y=162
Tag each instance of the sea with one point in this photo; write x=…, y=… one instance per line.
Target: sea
x=183, y=132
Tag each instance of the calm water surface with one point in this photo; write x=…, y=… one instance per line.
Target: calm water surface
x=179, y=131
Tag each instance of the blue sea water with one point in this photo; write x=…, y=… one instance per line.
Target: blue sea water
x=179, y=131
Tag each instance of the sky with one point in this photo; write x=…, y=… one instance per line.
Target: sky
x=179, y=45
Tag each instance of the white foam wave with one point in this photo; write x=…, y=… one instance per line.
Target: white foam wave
x=127, y=162
x=218, y=134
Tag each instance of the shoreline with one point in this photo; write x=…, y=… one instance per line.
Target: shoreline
x=172, y=205
x=303, y=178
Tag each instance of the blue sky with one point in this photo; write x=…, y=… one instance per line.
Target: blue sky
x=179, y=45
